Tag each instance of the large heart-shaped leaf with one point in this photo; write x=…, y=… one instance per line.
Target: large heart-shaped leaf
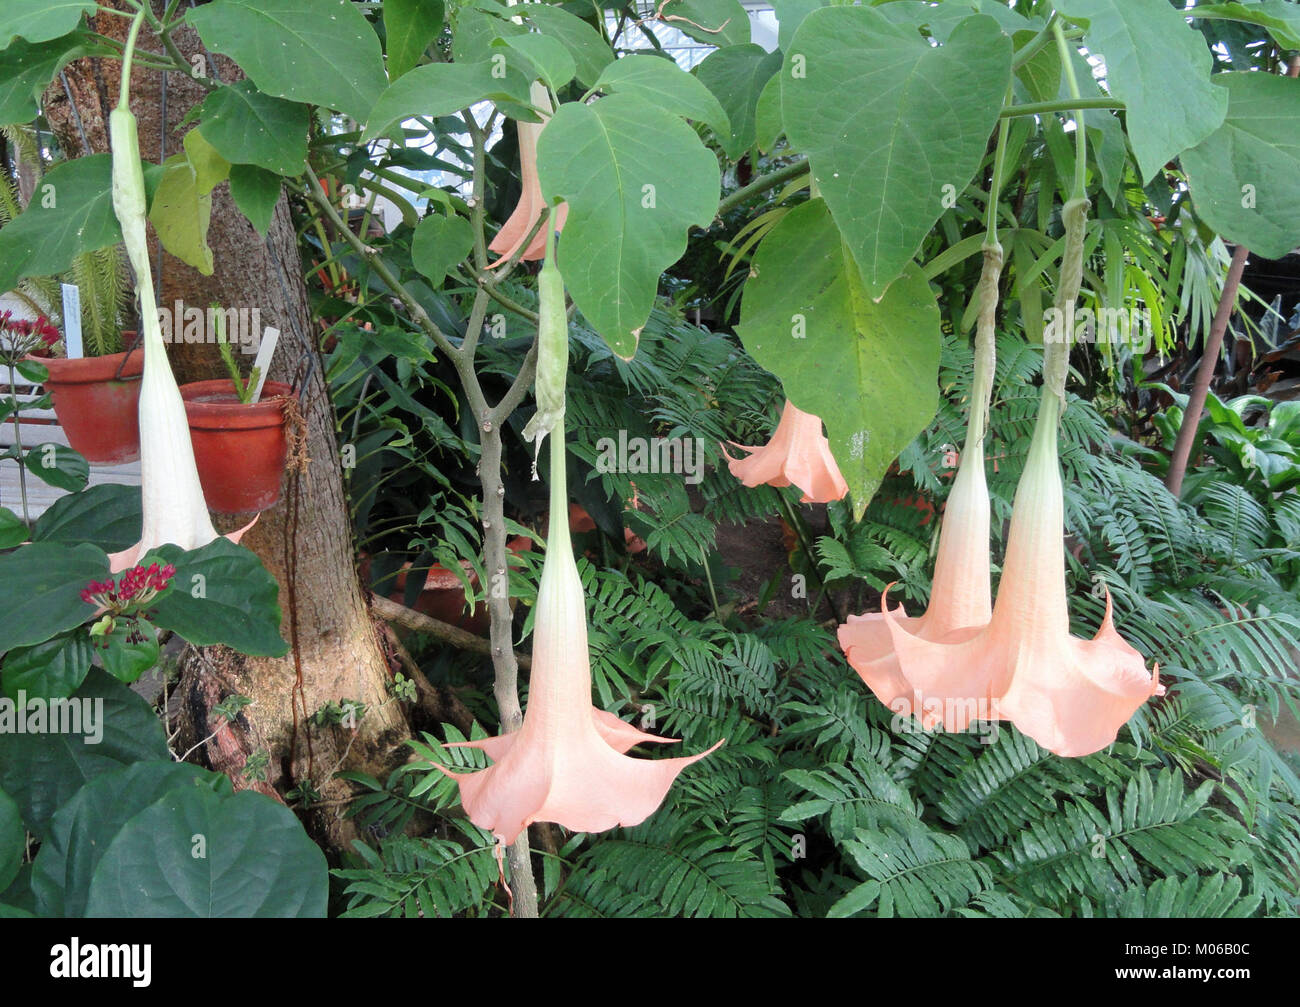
x=221, y=594
x=591, y=53
x=915, y=131
x=439, y=243
x=319, y=51
x=443, y=88
x=40, y=590
x=26, y=69
x=71, y=212
x=40, y=20
x=713, y=22
x=49, y=670
x=196, y=853
x=249, y=127
x=59, y=466
x=410, y=27
x=635, y=178
x=1151, y=54
x=181, y=214
x=664, y=83
x=107, y=516
x=43, y=770
x=256, y=192
x=868, y=368
x=83, y=828
x=736, y=75
x=1245, y=176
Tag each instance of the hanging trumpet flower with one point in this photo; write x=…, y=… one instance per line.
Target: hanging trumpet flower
x=566, y=763
x=515, y=231
x=797, y=455
x=960, y=599
x=174, y=511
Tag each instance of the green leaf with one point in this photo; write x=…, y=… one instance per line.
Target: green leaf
x=71, y=212
x=210, y=168
x=736, y=76
x=439, y=244
x=249, y=127
x=40, y=590
x=181, y=214
x=41, y=770
x=84, y=827
x=1152, y=53
x=255, y=191
x=12, y=529
x=546, y=56
x=257, y=861
x=476, y=30
x=13, y=840
x=132, y=649
x=59, y=466
x=636, y=178
x=868, y=368
x=411, y=26
x=106, y=516
x=26, y=69
x=767, y=115
x=1245, y=177
x=713, y=22
x=41, y=20
x=922, y=123
x=790, y=15
x=50, y=670
x=440, y=89
x=1282, y=19
x=662, y=82
x=591, y=54
x=323, y=52
x=221, y=594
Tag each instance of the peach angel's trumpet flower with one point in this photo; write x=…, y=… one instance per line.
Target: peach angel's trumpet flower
x=798, y=454
x=566, y=763
x=960, y=597
x=514, y=232
x=174, y=511
x=1069, y=695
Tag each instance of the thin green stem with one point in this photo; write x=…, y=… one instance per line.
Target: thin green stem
x=762, y=184
x=1045, y=107
x=1036, y=44
x=1080, y=130
x=128, y=57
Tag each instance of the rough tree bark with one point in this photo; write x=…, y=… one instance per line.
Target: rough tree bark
x=339, y=649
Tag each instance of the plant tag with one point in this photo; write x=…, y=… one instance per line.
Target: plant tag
x=72, y=320
x=263, y=362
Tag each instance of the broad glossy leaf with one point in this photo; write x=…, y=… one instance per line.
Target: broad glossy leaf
x=590, y=52
x=12, y=529
x=939, y=21
x=71, y=212
x=636, y=178
x=319, y=51
x=249, y=127
x=439, y=244
x=181, y=214
x=868, y=368
x=13, y=840
x=1151, y=54
x=43, y=770
x=736, y=76
x=40, y=590
x=255, y=191
x=411, y=26
x=1245, y=177
x=107, y=516
x=543, y=58
x=920, y=122
x=662, y=82
x=210, y=168
x=40, y=20
x=84, y=827
x=257, y=862
x=59, y=466
x=221, y=594
x=767, y=115
x=440, y=89
x=790, y=15
x=713, y=22
x=26, y=69
x=50, y=670
x=132, y=649
x=1281, y=18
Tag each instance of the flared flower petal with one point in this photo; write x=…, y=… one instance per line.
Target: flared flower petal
x=1069, y=695
x=797, y=455
x=514, y=232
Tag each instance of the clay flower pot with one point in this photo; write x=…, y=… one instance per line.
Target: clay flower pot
x=241, y=450
x=98, y=408
x=443, y=594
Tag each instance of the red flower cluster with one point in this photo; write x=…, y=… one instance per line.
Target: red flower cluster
x=23, y=328
x=137, y=586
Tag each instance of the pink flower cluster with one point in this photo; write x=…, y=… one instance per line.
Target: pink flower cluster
x=136, y=587
x=23, y=328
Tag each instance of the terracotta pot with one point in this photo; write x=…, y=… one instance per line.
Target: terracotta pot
x=240, y=450
x=97, y=409
x=443, y=595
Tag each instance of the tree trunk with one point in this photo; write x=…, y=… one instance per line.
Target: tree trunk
x=306, y=544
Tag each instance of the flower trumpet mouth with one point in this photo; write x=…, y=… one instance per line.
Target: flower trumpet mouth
x=797, y=455
x=518, y=231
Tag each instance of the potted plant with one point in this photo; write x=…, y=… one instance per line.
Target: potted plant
x=237, y=426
